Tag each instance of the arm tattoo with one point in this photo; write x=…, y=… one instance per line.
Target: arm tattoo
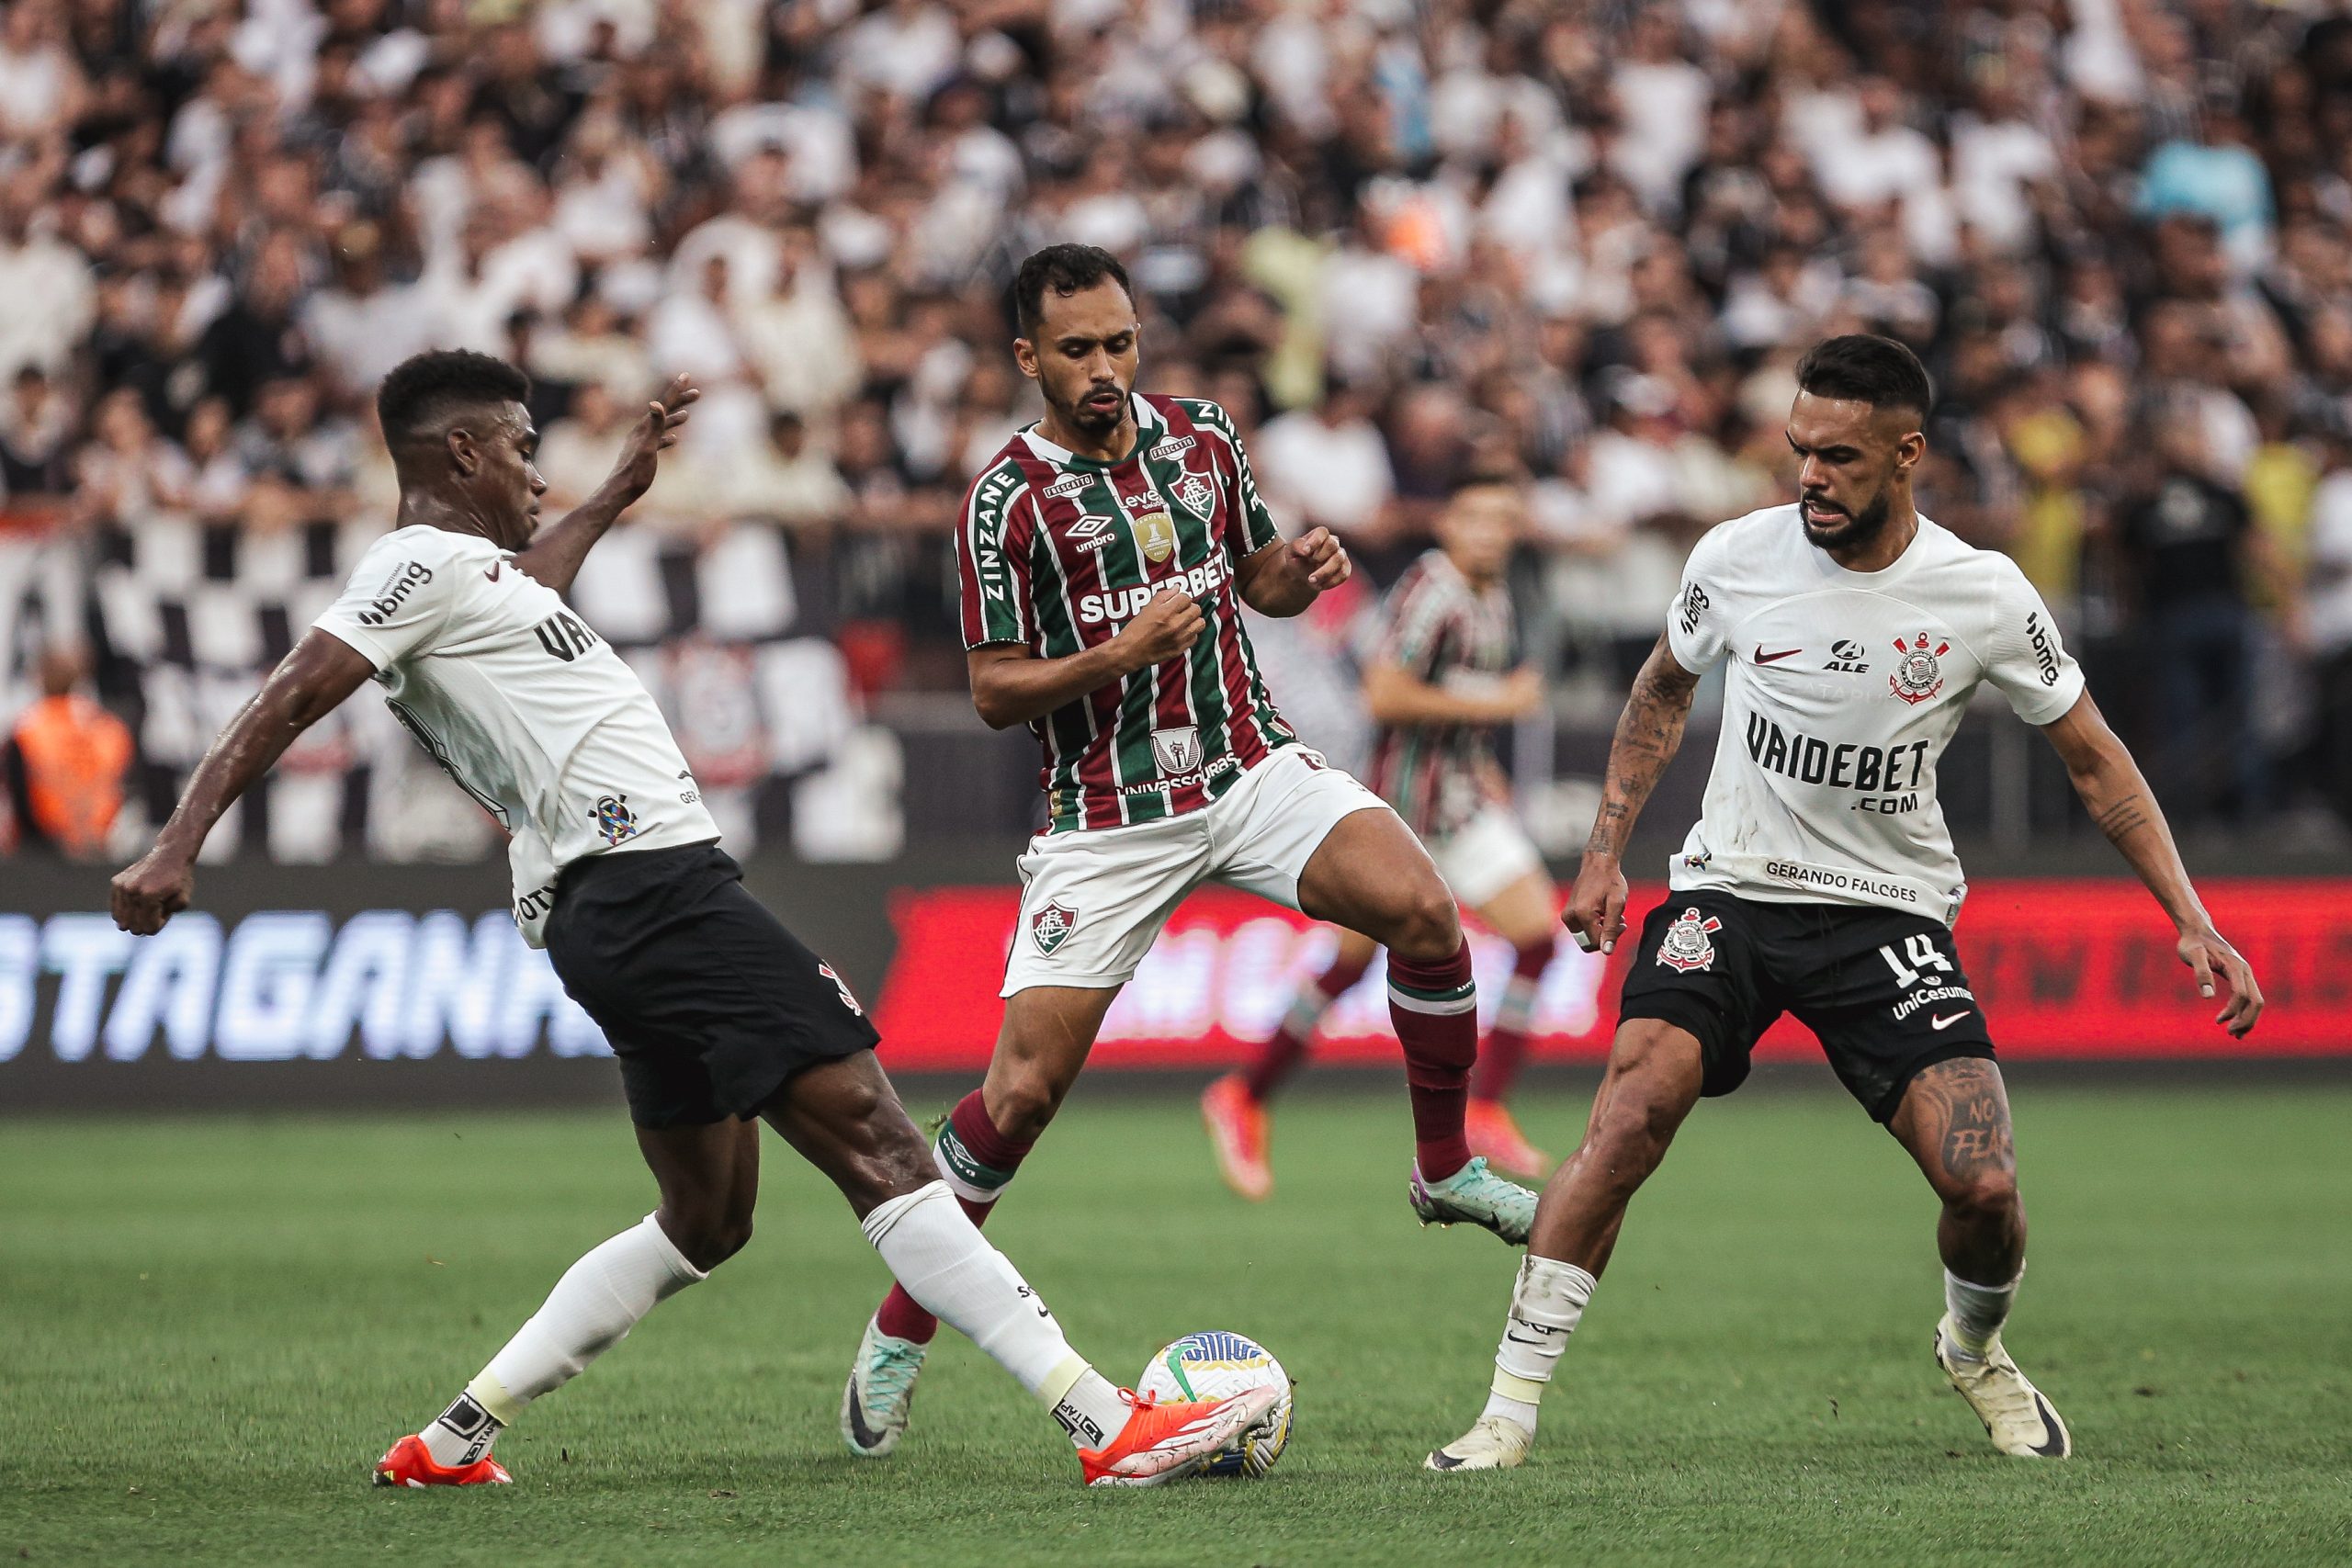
x=1648, y=733
x=2122, y=819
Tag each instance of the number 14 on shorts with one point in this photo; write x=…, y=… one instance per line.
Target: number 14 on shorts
x=1918, y=956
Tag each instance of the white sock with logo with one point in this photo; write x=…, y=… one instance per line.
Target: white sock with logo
x=1977, y=1311
x=1546, y=1305
x=591, y=1310
x=941, y=1261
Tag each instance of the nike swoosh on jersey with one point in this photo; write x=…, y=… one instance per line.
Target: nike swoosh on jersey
x=1764, y=657
x=1948, y=1023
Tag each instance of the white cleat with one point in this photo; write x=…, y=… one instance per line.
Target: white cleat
x=2015, y=1416
x=881, y=1390
x=1492, y=1444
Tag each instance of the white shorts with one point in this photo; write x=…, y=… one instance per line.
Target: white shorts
x=1488, y=853
x=1093, y=901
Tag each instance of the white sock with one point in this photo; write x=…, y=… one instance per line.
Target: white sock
x=591, y=1310
x=1978, y=1311
x=1546, y=1305
x=939, y=1257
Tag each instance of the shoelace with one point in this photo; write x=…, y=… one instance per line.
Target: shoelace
x=892, y=1371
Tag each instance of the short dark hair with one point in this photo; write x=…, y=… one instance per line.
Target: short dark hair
x=426, y=389
x=1862, y=369
x=1066, y=270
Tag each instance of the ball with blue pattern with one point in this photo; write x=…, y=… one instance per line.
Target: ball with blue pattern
x=1216, y=1364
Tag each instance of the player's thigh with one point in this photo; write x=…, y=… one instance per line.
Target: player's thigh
x=1700, y=965
x=1308, y=836
x=1885, y=992
x=1092, y=903
x=1656, y=1072
x=1954, y=1121
x=1525, y=913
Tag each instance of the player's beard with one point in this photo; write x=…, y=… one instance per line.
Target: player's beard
x=1860, y=528
x=1096, y=419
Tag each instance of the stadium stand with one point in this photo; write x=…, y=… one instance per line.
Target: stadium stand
x=1578, y=242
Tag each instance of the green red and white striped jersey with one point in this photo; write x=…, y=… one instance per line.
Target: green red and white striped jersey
x=1058, y=552
x=1442, y=631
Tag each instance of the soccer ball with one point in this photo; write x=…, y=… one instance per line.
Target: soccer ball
x=1218, y=1365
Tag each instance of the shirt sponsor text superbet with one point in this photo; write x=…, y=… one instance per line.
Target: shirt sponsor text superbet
x=1126, y=604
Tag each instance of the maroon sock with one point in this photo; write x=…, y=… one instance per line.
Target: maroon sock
x=1506, y=1046
x=1281, y=1055
x=1435, y=1010
x=976, y=1159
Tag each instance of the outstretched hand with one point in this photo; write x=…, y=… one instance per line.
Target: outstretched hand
x=2218, y=965
x=654, y=432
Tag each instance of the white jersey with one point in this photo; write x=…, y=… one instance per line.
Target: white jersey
x=1843, y=691
x=534, y=715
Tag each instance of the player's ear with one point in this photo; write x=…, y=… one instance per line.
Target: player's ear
x=1909, y=450
x=465, y=453
x=1024, y=354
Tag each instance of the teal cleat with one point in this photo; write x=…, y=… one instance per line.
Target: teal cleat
x=1475, y=1196
x=881, y=1390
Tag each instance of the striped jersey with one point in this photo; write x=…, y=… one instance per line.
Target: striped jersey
x=1444, y=632
x=1058, y=552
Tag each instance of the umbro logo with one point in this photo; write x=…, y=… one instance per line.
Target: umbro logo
x=1090, y=532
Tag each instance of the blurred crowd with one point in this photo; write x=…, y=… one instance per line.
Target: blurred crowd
x=1404, y=242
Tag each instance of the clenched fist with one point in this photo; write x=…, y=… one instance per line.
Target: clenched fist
x=151, y=890
x=1169, y=625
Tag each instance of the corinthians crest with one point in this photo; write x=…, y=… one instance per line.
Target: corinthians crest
x=1920, y=672
x=1687, y=946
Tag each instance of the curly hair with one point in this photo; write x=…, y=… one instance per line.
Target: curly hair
x=1066, y=270
x=423, y=390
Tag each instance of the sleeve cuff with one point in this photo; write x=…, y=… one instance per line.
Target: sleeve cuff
x=366, y=647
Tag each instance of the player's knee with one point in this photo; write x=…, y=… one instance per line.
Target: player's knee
x=1428, y=929
x=708, y=1235
x=1022, y=1102
x=1988, y=1196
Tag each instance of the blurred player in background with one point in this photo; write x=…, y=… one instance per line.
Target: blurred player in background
x=1444, y=675
x=1105, y=556
x=1820, y=879
x=720, y=1017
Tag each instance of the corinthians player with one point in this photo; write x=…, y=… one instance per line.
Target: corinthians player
x=1105, y=555
x=1820, y=880
x=718, y=1016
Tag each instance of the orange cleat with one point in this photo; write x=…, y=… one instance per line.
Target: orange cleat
x=410, y=1465
x=1487, y=1124
x=1164, y=1442
x=1236, y=1126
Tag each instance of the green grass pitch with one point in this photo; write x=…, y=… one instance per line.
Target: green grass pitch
x=208, y=1330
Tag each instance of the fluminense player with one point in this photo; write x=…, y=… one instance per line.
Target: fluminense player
x=720, y=1017
x=1106, y=553
x=1444, y=674
x=1820, y=880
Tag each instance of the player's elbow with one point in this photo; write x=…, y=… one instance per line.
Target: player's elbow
x=993, y=707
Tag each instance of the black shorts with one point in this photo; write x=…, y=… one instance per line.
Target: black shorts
x=1883, y=991
x=709, y=1003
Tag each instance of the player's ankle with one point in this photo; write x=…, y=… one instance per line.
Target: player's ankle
x=1520, y=1413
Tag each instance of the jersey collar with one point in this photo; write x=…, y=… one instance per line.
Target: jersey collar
x=1146, y=418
